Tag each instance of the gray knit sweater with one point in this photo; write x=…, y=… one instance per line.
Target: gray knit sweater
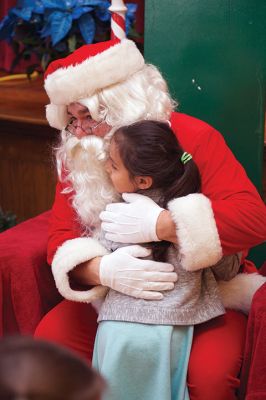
x=194, y=299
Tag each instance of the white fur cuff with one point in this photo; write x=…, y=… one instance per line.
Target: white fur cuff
x=238, y=293
x=198, y=239
x=68, y=256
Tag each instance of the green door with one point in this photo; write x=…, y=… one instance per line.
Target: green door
x=213, y=55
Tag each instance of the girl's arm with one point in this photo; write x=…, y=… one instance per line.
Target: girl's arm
x=227, y=268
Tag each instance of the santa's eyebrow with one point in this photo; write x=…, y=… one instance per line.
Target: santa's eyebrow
x=84, y=111
x=80, y=112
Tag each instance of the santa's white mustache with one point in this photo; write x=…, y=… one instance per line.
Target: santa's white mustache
x=93, y=145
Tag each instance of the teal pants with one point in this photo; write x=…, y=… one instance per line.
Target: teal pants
x=143, y=362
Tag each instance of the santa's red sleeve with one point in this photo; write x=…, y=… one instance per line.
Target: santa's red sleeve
x=67, y=248
x=228, y=216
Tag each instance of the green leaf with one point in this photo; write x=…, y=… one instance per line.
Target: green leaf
x=7, y=220
x=45, y=60
x=72, y=43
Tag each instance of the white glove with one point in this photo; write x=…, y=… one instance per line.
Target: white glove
x=131, y=222
x=144, y=279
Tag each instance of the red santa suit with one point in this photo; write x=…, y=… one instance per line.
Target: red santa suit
x=227, y=217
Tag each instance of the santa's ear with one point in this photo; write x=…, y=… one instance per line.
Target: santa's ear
x=143, y=182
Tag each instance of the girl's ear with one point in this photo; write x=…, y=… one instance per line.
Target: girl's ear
x=143, y=182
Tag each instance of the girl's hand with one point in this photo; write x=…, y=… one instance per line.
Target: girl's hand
x=123, y=271
x=133, y=221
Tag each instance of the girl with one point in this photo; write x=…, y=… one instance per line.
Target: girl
x=142, y=347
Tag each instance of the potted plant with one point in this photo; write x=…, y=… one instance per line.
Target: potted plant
x=44, y=30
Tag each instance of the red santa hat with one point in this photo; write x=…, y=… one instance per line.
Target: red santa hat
x=87, y=70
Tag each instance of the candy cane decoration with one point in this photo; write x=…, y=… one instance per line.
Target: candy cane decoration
x=118, y=25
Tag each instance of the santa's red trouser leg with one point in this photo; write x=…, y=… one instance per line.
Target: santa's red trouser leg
x=215, y=360
x=72, y=325
x=216, y=357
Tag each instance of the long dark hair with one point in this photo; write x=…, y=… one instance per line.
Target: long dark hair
x=150, y=148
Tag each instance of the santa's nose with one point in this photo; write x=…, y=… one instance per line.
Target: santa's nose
x=79, y=132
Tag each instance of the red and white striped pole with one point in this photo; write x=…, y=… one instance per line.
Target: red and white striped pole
x=118, y=18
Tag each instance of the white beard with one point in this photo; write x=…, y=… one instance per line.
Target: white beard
x=80, y=164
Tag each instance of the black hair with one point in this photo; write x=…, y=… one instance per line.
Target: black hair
x=150, y=148
x=35, y=369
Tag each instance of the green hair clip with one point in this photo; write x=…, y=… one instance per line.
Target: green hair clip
x=185, y=157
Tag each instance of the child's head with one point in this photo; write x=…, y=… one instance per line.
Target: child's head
x=31, y=369
x=147, y=155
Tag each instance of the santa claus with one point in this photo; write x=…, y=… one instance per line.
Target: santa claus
x=93, y=91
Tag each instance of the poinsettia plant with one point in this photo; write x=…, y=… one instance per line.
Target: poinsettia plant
x=52, y=29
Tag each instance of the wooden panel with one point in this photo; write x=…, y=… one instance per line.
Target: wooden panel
x=23, y=101
x=27, y=175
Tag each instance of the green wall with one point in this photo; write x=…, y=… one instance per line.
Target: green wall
x=213, y=55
